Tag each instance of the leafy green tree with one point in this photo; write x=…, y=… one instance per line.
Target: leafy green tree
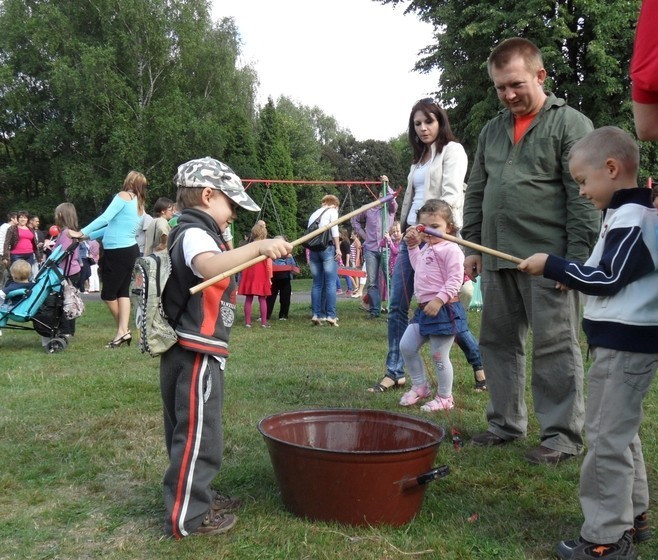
x=90, y=90
x=366, y=161
x=586, y=44
x=307, y=129
x=275, y=163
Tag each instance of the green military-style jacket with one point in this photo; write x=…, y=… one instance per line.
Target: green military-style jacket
x=521, y=198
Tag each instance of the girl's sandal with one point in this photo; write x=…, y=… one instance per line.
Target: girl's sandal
x=386, y=384
x=439, y=403
x=417, y=393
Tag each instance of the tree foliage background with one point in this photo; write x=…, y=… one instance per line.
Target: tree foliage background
x=90, y=90
x=586, y=44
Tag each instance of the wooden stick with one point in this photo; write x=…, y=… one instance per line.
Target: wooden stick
x=480, y=248
x=303, y=239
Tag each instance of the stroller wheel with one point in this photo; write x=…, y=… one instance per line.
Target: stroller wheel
x=56, y=345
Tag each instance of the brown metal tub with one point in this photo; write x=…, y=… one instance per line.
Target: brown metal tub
x=352, y=466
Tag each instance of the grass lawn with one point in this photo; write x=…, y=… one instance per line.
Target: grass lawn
x=83, y=453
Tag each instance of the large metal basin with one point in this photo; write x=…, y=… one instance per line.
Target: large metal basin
x=352, y=466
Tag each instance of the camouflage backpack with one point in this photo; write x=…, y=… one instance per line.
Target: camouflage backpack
x=149, y=278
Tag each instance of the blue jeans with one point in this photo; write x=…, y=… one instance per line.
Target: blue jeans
x=401, y=293
x=324, y=270
x=348, y=283
x=373, y=260
x=29, y=257
x=471, y=349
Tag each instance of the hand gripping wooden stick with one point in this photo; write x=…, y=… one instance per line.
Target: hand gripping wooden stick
x=480, y=248
x=303, y=239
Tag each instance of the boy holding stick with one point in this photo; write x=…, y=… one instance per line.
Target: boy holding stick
x=621, y=324
x=192, y=371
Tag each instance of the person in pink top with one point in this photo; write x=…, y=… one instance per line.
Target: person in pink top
x=20, y=241
x=391, y=241
x=439, y=271
x=66, y=219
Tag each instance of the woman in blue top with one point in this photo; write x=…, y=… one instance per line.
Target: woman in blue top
x=117, y=227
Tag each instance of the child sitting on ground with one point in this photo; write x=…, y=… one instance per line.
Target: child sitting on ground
x=439, y=271
x=192, y=370
x=621, y=324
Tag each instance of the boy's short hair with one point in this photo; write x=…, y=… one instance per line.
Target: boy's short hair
x=198, y=174
x=163, y=203
x=516, y=46
x=20, y=270
x=608, y=142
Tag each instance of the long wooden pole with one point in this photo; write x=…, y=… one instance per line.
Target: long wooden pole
x=303, y=239
x=480, y=248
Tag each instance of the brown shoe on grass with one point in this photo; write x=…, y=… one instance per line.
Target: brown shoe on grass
x=546, y=456
x=488, y=439
x=641, y=528
x=216, y=524
x=225, y=504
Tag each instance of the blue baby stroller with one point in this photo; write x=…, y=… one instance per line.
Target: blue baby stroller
x=42, y=304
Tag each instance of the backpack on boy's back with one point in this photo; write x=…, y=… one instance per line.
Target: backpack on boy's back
x=150, y=274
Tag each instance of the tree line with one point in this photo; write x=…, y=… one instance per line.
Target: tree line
x=586, y=45
x=90, y=90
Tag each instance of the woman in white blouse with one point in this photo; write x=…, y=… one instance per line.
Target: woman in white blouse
x=324, y=265
x=438, y=171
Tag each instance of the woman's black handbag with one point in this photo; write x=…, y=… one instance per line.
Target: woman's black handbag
x=319, y=242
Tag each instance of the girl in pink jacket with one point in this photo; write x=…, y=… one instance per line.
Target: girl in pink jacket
x=439, y=272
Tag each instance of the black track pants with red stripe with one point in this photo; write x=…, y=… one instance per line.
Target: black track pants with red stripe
x=192, y=388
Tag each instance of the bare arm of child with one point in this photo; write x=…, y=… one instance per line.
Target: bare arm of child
x=212, y=264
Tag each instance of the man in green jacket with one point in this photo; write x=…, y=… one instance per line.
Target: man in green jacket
x=521, y=200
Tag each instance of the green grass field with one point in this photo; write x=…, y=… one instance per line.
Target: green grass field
x=83, y=453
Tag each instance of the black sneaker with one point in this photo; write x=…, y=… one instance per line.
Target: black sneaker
x=580, y=549
x=641, y=529
x=216, y=524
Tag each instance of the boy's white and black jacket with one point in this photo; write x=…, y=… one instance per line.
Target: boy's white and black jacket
x=620, y=279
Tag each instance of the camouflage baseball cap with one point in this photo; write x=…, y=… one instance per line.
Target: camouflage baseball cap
x=208, y=172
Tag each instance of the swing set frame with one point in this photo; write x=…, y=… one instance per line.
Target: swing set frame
x=383, y=185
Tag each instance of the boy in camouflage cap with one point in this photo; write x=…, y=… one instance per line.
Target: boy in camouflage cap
x=192, y=370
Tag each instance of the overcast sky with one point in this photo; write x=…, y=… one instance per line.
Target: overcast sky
x=351, y=58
